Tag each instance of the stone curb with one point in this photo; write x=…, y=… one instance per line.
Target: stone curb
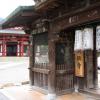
x=13, y=84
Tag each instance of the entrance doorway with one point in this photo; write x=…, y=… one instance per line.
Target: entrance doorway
x=65, y=62
x=15, y=67
x=12, y=49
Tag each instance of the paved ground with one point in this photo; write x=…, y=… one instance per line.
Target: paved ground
x=25, y=93
x=3, y=97
x=99, y=78
x=14, y=70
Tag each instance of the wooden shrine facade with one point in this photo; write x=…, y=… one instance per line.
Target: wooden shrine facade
x=14, y=45
x=57, y=62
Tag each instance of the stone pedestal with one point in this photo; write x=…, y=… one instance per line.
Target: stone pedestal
x=51, y=97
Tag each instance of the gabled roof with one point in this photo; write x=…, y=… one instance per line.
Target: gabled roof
x=20, y=16
x=12, y=31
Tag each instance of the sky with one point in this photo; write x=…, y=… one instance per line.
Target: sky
x=8, y=6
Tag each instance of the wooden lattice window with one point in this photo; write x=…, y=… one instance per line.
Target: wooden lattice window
x=41, y=54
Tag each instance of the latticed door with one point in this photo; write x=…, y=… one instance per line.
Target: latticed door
x=64, y=67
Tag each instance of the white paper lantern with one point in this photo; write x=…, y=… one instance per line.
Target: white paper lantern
x=78, y=40
x=88, y=38
x=98, y=38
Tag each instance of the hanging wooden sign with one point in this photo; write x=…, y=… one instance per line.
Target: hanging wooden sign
x=79, y=64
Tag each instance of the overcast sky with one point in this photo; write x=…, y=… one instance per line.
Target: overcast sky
x=7, y=6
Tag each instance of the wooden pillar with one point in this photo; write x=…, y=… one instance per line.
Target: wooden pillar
x=95, y=73
x=28, y=49
x=31, y=60
x=4, y=51
x=1, y=49
x=18, y=49
x=52, y=65
x=87, y=81
x=89, y=68
x=22, y=48
x=5, y=48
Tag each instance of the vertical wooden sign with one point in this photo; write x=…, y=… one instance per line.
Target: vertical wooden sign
x=79, y=64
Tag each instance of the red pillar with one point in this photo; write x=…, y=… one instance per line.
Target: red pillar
x=18, y=49
x=22, y=48
x=4, y=47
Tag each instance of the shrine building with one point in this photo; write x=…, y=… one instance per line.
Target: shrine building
x=64, y=43
x=14, y=42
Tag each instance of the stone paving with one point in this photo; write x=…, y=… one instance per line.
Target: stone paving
x=25, y=93
x=15, y=65
x=3, y=97
x=13, y=70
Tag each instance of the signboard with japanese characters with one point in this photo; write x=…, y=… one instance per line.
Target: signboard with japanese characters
x=79, y=64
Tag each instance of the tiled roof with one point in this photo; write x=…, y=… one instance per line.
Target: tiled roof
x=20, y=17
x=12, y=31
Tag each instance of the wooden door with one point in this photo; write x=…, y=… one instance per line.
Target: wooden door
x=64, y=68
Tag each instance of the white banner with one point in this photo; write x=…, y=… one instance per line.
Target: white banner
x=98, y=38
x=78, y=40
x=88, y=38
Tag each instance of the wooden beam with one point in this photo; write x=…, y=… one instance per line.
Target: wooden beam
x=76, y=18
x=43, y=6
x=45, y=71
x=95, y=73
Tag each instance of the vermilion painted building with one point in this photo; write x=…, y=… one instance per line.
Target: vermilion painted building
x=14, y=42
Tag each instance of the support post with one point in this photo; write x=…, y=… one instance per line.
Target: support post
x=95, y=61
x=31, y=60
x=18, y=49
x=52, y=65
x=4, y=51
x=22, y=48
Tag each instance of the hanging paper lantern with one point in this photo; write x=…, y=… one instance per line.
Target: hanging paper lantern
x=88, y=38
x=98, y=38
x=78, y=40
